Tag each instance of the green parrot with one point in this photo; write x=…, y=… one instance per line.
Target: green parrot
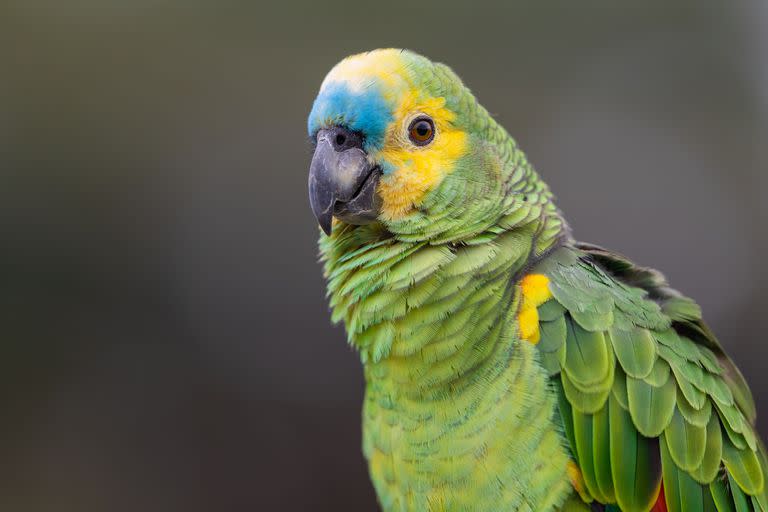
x=507, y=366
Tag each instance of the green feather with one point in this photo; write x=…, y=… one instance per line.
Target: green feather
x=684, y=348
x=682, y=308
x=721, y=495
x=763, y=496
x=734, y=437
x=596, y=317
x=582, y=401
x=659, y=374
x=735, y=420
x=737, y=495
x=582, y=430
x=551, y=310
x=566, y=415
x=682, y=492
x=698, y=417
x=635, y=350
x=691, y=492
x=588, y=360
x=634, y=462
x=713, y=451
x=601, y=453
x=709, y=502
x=552, y=344
x=671, y=481
x=651, y=407
x=744, y=467
x=716, y=387
x=694, y=396
x=686, y=442
x=619, y=389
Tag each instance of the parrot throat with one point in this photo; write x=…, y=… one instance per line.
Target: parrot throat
x=458, y=411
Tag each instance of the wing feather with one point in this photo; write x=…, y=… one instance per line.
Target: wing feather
x=646, y=390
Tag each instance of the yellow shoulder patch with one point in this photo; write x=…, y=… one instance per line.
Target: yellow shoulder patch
x=577, y=481
x=535, y=288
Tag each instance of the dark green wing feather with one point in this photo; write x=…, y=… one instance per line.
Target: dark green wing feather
x=646, y=391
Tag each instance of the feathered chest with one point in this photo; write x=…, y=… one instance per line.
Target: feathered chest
x=452, y=395
x=399, y=299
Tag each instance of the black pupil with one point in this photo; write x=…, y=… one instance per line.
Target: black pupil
x=423, y=129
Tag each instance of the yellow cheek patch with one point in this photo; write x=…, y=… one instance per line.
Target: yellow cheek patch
x=417, y=170
x=535, y=288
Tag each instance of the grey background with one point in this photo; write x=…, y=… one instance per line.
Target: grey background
x=166, y=343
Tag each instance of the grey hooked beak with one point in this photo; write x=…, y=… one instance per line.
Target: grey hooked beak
x=342, y=182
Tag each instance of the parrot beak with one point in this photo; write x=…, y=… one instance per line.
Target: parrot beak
x=342, y=182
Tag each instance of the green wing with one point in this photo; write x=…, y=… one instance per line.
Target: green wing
x=646, y=391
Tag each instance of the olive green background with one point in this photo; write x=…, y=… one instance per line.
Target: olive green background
x=165, y=339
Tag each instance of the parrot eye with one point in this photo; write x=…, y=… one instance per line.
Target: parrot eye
x=421, y=131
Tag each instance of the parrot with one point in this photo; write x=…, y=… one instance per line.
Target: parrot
x=507, y=366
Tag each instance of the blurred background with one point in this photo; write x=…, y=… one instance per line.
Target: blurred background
x=166, y=343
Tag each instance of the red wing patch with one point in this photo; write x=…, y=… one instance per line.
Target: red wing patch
x=661, y=503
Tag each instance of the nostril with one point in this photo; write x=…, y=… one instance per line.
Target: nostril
x=342, y=138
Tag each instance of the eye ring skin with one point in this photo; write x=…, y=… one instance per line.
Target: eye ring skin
x=421, y=130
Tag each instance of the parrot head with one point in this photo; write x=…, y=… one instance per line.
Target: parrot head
x=400, y=141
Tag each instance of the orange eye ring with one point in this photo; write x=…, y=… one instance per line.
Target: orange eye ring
x=421, y=131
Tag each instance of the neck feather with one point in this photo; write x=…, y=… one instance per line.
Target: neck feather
x=442, y=308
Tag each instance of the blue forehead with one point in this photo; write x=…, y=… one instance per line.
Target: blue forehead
x=365, y=111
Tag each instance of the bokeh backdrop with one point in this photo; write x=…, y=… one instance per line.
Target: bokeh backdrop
x=166, y=344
